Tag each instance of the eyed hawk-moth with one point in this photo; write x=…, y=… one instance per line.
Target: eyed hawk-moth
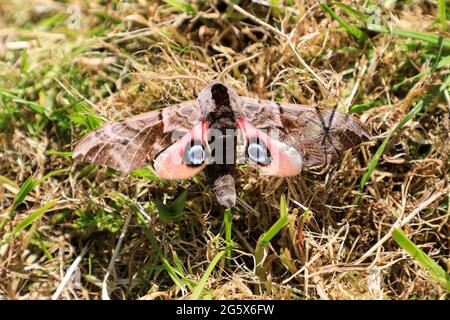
x=181, y=140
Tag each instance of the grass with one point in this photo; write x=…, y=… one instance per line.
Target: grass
x=322, y=235
x=437, y=273
x=27, y=221
x=201, y=284
x=376, y=157
x=426, y=37
x=262, y=244
x=442, y=14
x=354, y=31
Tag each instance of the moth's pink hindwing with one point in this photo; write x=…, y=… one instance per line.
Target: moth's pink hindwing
x=171, y=165
x=285, y=160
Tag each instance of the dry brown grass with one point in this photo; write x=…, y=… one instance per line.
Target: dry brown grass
x=146, y=55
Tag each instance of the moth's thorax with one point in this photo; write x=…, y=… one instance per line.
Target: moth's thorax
x=216, y=95
x=222, y=116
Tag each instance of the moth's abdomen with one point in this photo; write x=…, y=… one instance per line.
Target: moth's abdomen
x=221, y=170
x=224, y=189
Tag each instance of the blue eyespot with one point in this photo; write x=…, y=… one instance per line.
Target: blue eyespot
x=257, y=152
x=196, y=155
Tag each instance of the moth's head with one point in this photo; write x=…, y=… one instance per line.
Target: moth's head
x=215, y=94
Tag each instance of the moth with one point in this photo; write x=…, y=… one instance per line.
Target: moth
x=179, y=141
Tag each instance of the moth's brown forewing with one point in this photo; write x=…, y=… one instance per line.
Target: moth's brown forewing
x=136, y=141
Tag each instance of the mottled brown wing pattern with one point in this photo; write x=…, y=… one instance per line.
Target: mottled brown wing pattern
x=305, y=128
x=136, y=141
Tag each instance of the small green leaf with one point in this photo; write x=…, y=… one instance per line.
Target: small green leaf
x=83, y=116
x=98, y=220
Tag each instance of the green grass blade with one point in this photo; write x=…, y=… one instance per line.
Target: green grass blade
x=437, y=273
x=278, y=225
x=177, y=276
x=350, y=11
x=442, y=14
x=66, y=154
x=182, y=5
x=24, y=63
x=201, y=284
x=32, y=105
x=282, y=221
x=228, y=224
x=26, y=188
x=354, y=31
x=228, y=220
x=51, y=174
x=178, y=263
x=27, y=221
x=357, y=108
x=173, y=273
x=5, y=180
x=422, y=36
x=274, y=230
